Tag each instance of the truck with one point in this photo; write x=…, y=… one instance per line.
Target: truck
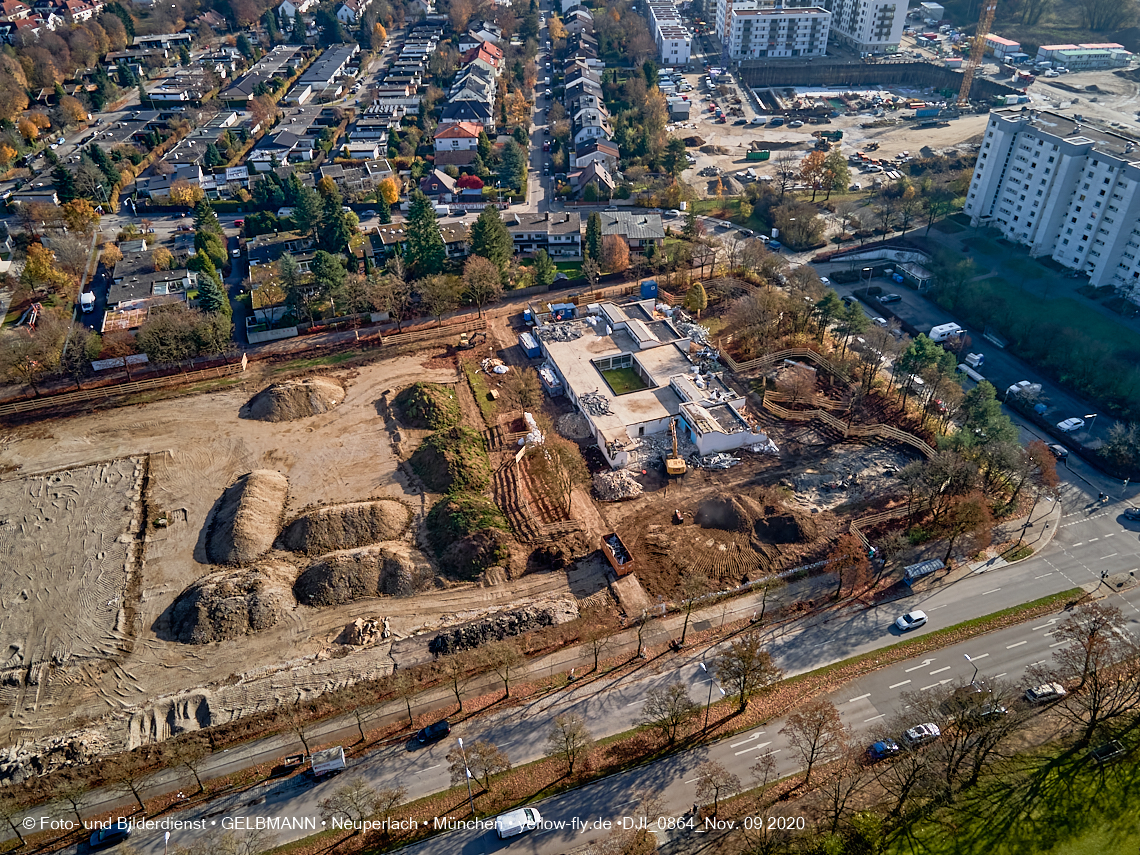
x=758, y=155
x=87, y=302
x=330, y=761
x=833, y=136
x=927, y=112
x=441, y=210
x=941, y=332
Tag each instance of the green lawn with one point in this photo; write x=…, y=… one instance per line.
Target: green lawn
x=1059, y=805
x=623, y=380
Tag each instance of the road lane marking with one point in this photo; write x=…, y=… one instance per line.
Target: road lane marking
x=1049, y=622
x=1002, y=674
x=753, y=748
x=896, y=685
x=934, y=685
x=975, y=658
x=925, y=664
x=994, y=591
x=1111, y=535
x=940, y=670
x=756, y=735
x=1043, y=575
x=1103, y=557
x=436, y=766
x=861, y=697
x=1075, y=545
x=635, y=703
x=1011, y=646
x=876, y=718
x=936, y=608
x=1059, y=643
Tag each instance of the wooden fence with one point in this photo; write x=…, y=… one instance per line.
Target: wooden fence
x=433, y=334
x=858, y=525
x=769, y=360
x=876, y=431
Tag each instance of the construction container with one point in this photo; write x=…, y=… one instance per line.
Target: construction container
x=529, y=345
x=927, y=112
x=758, y=155
x=649, y=289
x=616, y=553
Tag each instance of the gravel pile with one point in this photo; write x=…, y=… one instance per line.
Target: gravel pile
x=504, y=625
x=565, y=331
x=572, y=426
x=296, y=399
x=234, y=603
x=615, y=486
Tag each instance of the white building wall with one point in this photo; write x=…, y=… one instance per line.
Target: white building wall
x=869, y=26
x=762, y=34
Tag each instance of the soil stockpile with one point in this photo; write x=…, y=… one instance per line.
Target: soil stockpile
x=429, y=406
x=233, y=603
x=381, y=570
x=736, y=514
x=248, y=517
x=504, y=625
x=347, y=526
x=769, y=523
x=295, y=399
x=453, y=459
x=469, y=534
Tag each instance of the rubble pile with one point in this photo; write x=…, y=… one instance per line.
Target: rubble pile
x=694, y=332
x=504, y=625
x=565, y=331
x=615, y=486
x=362, y=632
x=649, y=449
x=595, y=403
x=720, y=460
x=572, y=426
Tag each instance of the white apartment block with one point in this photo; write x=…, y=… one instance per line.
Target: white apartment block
x=1063, y=189
x=868, y=26
x=775, y=33
x=674, y=41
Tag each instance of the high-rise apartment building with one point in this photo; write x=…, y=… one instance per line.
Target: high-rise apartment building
x=868, y=26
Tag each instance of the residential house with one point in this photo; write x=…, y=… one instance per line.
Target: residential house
x=384, y=241
x=268, y=302
x=131, y=300
x=164, y=40
x=268, y=249
x=357, y=179
x=559, y=233
x=595, y=174
x=457, y=143
x=292, y=8
x=29, y=196
x=349, y=12
x=473, y=84
x=79, y=11
x=468, y=111
x=281, y=62
x=578, y=20
x=14, y=10
x=591, y=123
x=485, y=31
x=597, y=151
x=638, y=229
x=364, y=150
x=439, y=186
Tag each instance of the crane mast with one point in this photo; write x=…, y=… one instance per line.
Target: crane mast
x=977, y=50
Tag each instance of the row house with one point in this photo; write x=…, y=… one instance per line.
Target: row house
x=558, y=232
x=281, y=62
x=294, y=139
x=385, y=241
x=471, y=99
x=598, y=151
x=357, y=179
x=351, y=11
x=593, y=173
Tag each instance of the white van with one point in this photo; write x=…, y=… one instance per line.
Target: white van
x=517, y=821
x=87, y=302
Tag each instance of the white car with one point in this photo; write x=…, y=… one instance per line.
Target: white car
x=911, y=620
x=516, y=822
x=1045, y=692
x=825, y=282
x=1070, y=425
x=879, y=322
x=921, y=734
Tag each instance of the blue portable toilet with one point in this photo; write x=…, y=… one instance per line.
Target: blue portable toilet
x=529, y=345
x=649, y=289
x=528, y=318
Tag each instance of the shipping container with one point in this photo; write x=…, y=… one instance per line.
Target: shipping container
x=529, y=345
x=758, y=155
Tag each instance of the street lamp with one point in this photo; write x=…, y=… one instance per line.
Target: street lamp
x=470, y=798
x=708, y=703
x=973, y=679
x=1092, y=416
x=868, y=271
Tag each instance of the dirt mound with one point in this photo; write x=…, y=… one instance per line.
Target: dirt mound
x=347, y=526
x=428, y=406
x=504, y=625
x=247, y=518
x=295, y=399
x=381, y=570
x=739, y=513
x=469, y=534
x=232, y=603
x=453, y=459
x=693, y=142
x=786, y=528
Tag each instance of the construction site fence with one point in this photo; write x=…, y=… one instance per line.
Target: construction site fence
x=879, y=431
x=819, y=402
x=769, y=360
x=434, y=333
x=106, y=392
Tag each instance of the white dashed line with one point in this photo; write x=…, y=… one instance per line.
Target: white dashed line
x=1043, y=575
x=1018, y=644
x=635, y=703
x=896, y=685
x=1093, y=539
x=940, y=670
x=1104, y=557
x=994, y=591
x=1075, y=545
x=1048, y=623
x=861, y=697
x=876, y=718
x=1002, y=674
x=1059, y=643
x=436, y=766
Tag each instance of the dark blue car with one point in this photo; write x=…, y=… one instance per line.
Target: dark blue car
x=433, y=732
x=104, y=837
x=883, y=749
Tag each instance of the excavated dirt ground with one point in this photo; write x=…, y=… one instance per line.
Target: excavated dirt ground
x=115, y=660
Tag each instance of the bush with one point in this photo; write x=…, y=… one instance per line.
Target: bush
x=917, y=535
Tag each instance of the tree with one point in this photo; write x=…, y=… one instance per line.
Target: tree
x=182, y=192
x=190, y=752
x=668, y=709
x=787, y=170
x=746, y=667
x=697, y=300
x=491, y=239
x=81, y=347
x=816, y=733
x=394, y=296
x=504, y=658
x=349, y=805
x=482, y=762
x=389, y=188
x=125, y=777
x=329, y=275
x=308, y=211
x=512, y=165
x=161, y=258
x=848, y=558
x=482, y=283
x=439, y=295
x=10, y=810
x=544, y=269
x=569, y=739
x=80, y=216
x=812, y=171
x=591, y=271
x=593, y=242
x=212, y=297
x=836, y=175
x=615, y=254
x=424, y=249
x=455, y=668
x=693, y=585
x=40, y=272
x=74, y=792
x=714, y=781
x=970, y=515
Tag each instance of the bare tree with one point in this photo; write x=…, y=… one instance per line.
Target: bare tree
x=10, y=809
x=569, y=739
x=483, y=761
x=558, y=465
x=714, y=781
x=787, y=170
x=798, y=382
x=747, y=667
x=504, y=659
x=817, y=734
x=455, y=668
x=297, y=720
x=693, y=585
x=668, y=709
x=848, y=778
x=404, y=687
x=125, y=777
x=349, y=805
x=191, y=752
x=73, y=791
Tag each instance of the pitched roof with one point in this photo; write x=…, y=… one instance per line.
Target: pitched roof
x=466, y=111
x=459, y=130
x=597, y=144
x=556, y=223
x=632, y=224
x=440, y=177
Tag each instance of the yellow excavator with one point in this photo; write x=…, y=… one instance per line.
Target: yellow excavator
x=675, y=463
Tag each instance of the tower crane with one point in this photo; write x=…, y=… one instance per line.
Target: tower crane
x=977, y=50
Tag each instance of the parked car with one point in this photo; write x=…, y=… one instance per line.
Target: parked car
x=883, y=749
x=1045, y=692
x=825, y=282
x=1132, y=513
x=776, y=122
x=775, y=245
x=1059, y=451
x=911, y=620
x=795, y=124
x=434, y=732
x=1070, y=425
x=517, y=821
x=891, y=298
x=368, y=214
x=119, y=831
x=879, y=322
x=921, y=734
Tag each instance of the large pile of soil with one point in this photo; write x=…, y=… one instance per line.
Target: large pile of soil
x=769, y=523
x=347, y=526
x=295, y=399
x=381, y=570
x=232, y=603
x=247, y=518
x=453, y=459
x=428, y=405
x=468, y=533
x=736, y=514
x=504, y=625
